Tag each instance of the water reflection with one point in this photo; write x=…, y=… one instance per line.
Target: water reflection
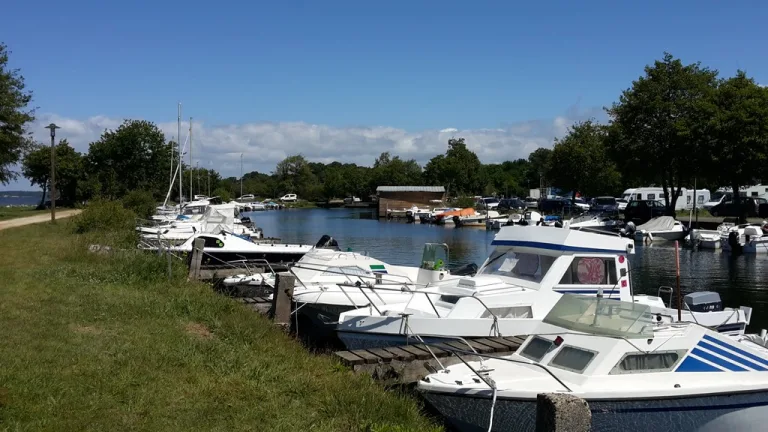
x=740, y=280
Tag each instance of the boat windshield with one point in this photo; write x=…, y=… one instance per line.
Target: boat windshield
x=602, y=316
x=517, y=265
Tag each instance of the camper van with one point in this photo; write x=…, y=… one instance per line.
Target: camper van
x=684, y=201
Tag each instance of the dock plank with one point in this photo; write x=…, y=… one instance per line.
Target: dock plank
x=437, y=351
x=497, y=347
x=458, y=345
x=418, y=352
x=400, y=354
x=349, y=358
x=382, y=354
x=511, y=346
x=479, y=347
x=516, y=339
x=367, y=357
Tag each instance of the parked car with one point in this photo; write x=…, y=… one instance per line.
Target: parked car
x=621, y=204
x=247, y=197
x=558, y=206
x=289, y=198
x=753, y=207
x=531, y=202
x=641, y=211
x=487, y=203
x=350, y=200
x=605, y=203
x=511, y=204
x=580, y=203
x=717, y=198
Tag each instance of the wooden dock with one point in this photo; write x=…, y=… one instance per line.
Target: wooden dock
x=407, y=364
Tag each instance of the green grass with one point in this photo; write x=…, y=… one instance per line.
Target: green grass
x=7, y=213
x=107, y=342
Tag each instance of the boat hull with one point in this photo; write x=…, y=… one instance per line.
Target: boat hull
x=471, y=412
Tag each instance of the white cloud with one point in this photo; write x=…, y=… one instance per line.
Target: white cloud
x=265, y=144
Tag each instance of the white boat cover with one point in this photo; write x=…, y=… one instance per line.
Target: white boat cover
x=219, y=218
x=661, y=223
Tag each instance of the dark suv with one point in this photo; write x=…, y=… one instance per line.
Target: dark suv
x=511, y=204
x=641, y=211
x=753, y=207
x=558, y=206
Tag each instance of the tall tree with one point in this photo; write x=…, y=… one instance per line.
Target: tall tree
x=295, y=175
x=15, y=115
x=134, y=156
x=579, y=162
x=660, y=122
x=393, y=171
x=459, y=169
x=538, y=161
x=740, y=131
x=36, y=166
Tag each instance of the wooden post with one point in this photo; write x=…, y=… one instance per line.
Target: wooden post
x=679, y=295
x=562, y=412
x=197, y=258
x=281, y=300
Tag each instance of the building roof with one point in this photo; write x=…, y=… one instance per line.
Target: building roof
x=437, y=189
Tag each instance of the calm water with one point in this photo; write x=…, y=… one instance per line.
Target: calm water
x=740, y=280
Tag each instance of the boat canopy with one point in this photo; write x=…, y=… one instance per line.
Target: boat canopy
x=661, y=223
x=557, y=241
x=607, y=317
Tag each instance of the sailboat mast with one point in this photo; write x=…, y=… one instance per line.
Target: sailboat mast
x=181, y=164
x=190, y=158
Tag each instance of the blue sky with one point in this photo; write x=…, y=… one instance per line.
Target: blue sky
x=349, y=79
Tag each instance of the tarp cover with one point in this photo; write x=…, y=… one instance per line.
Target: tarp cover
x=661, y=223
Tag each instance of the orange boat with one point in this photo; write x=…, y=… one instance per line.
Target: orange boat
x=442, y=217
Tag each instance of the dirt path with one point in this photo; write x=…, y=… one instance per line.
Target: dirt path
x=36, y=219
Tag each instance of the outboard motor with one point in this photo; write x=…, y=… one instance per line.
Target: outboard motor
x=629, y=229
x=457, y=221
x=327, y=242
x=703, y=301
x=558, y=224
x=733, y=242
x=467, y=270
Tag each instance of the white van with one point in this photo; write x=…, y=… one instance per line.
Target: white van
x=288, y=198
x=657, y=194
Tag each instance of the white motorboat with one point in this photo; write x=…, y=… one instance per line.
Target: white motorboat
x=479, y=219
x=605, y=221
x=221, y=248
x=429, y=216
x=519, y=283
x=747, y=239
x=709, y=239
x=330, y=281
x=215, y=219
x=659, y=228
x=634, y=373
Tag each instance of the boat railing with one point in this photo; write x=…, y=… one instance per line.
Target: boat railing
x=596, y=231
x=494, y=327
x=376, y=278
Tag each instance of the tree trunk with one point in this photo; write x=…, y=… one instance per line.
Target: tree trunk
x=741, y=210
x=45, y=189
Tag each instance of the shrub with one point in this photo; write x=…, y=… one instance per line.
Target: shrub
x=112, y=222
x=464, y=202
x=142, y=203
x=223, y=194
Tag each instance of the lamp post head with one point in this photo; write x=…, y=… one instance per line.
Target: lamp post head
x=53, y=128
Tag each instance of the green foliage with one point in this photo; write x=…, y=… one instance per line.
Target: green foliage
x=393, y=171
x=141, y=203
x=135, y=156
x=464, y=202
x=538, y=164
x=740, y=132
x=108, y=219
x=579, y=162
x=660, y=122
x=459, y=169
x=36, y=166
x=223, y=193
x=14, y=117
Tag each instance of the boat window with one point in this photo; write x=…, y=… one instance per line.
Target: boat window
x=212, y=242
x=591, y=271
x=524, y=266
x=348, y=271
x=536, y=348
x=449, y=299
x=602, y=316
x=508, y=312
x=573, y=359
x=647, y=362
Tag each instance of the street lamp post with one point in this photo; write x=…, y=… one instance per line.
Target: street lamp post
x=53, y=128
x=241, y=174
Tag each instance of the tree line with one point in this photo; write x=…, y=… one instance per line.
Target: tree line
x=677, y=123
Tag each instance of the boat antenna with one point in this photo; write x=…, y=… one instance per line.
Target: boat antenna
x=677, y=268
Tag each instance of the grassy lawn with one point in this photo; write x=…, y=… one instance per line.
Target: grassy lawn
x=19, y=212
x=107, y=342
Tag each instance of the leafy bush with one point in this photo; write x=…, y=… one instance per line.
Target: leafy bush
x=464, y=202
x=223, y=194
x=109, y=219
x=142, y=203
